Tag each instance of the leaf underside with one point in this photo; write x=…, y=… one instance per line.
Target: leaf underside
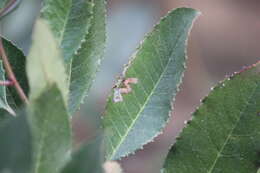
x=44, y=62
x=158, y=66
x=224, y=134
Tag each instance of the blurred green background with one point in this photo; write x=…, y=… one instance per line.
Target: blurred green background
x=224, y=39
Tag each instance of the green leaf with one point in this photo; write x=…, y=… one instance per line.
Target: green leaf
x=48, y=114
x=17, y=61
x=15, y=146
x=51, y=130
x=44, y=62
x=70, y=22
x=3, y=100
x=158, y=66
x=224, y=134
x=4, y=117
x=87, y=61
x=86, y=159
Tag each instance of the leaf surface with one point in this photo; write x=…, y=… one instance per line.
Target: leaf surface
x=15, y=145
x=224, y=134
x=51, y=130
x=87, y=61
x=86, y=159
x=70, y=22
x=158, y=66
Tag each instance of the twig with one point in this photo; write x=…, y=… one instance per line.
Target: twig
x=11, y=75
x=9, y=7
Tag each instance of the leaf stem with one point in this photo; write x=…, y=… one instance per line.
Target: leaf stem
x=11, y=74
x=6, y=83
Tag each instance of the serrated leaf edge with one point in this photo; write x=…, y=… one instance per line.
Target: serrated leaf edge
x=218, y=85
x=100, y=59
x=83, y=40
x=126, y=66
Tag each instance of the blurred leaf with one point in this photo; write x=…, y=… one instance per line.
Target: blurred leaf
x=86, y=159
x=87, y=61
x=3, y=100
x=15, y=146
x=17, y=61
x=70, y=22
x=44, y=62
x=224, y=134
x=48, y=114
x=51, y=130
x=158, y=65
x=4, y=117
x=3, y=4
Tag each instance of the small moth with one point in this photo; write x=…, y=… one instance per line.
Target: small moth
x=117, y=95
x=123, y=88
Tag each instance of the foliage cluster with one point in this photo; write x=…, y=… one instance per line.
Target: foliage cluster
x=40, y=92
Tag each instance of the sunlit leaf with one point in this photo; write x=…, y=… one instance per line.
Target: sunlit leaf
x=44, y=62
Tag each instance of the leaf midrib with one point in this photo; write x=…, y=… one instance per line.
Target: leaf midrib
x=232, y=130
x=65, y=24
x=151, y=93
x=39, y=158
